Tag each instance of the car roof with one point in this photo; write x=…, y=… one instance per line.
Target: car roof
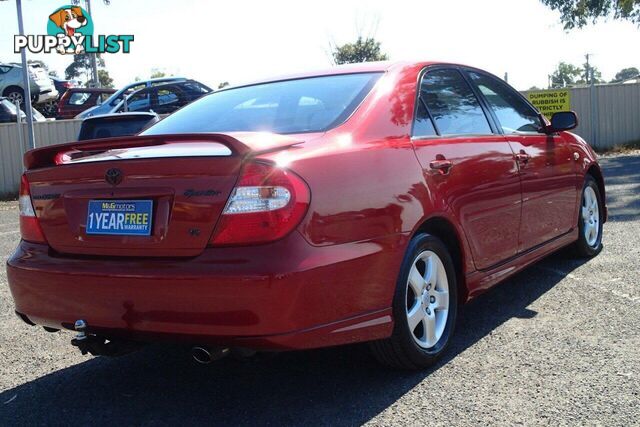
x=91, y=89
x=362, y=67
x=150, y=88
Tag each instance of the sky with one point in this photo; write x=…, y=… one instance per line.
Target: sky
x=240, y=41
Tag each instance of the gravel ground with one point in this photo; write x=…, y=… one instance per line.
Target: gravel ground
x=557, y=344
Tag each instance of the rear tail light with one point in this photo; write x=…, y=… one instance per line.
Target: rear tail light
x=267, y=204
x=29, y=226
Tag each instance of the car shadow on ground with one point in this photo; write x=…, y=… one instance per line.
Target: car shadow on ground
x=338, y=386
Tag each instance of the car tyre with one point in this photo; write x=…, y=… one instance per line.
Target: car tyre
x=590, y=220
x=428, y=263
x=15, y=94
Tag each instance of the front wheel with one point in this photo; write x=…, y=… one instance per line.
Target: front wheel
x=424, y=307
x=590, y=219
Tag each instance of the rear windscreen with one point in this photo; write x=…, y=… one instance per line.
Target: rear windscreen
x=96, y=129
x=292, y=106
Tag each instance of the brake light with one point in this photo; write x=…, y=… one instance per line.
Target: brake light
x=29, y=226
x=267, y=204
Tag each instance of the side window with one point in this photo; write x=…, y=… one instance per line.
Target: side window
x=422, y=125
x=167, y=96
x=513, y=113
x=78, y=98
x=139, y=102
x=452, y=104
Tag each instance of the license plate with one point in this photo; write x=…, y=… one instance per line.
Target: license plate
x=120, y=217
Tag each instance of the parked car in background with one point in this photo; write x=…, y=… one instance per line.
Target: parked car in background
x=63, y=85
x=384, y=196
x=50, y=108
x=112, y=125
x=109, y=105
x=9, y=112
x=76, y=100
x=163, y=99
x=11, y=87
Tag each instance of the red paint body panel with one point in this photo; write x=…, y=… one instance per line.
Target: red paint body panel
x=67, y=110
x=330, y=281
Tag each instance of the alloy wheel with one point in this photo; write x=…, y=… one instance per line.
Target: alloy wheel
x=427, y=305
x=590, y=216
x=16, y=96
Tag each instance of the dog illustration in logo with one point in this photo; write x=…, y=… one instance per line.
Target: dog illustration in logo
x=69, y=20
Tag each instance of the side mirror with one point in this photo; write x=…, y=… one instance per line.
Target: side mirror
x=565, y=120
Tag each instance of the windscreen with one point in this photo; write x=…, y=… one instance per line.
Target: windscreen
x=293, y=106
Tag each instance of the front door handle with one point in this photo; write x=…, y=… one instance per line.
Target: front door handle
x=522, y=158
x=442, y=166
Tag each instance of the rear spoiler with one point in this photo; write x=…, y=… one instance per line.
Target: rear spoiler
x=242, y=144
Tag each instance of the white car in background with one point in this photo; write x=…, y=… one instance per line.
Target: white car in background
x=41, y=85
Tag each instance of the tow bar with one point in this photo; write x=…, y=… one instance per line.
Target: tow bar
x=100, y=346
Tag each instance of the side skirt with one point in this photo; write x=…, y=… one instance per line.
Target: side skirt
x=480, y=281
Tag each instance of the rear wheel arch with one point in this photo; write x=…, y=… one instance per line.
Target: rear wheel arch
x=444, y=230
x=12, y=88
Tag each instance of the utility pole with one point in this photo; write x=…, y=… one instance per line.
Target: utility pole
x=588, y=68
x=94, y=65
x=592, y=102
x=25, y=82
x=92, y=56
x=506, y=77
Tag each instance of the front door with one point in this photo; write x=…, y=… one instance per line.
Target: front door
x=547, y=169
x=469, y=165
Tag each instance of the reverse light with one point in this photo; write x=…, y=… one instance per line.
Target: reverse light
x=267, y=203
x=29, y=226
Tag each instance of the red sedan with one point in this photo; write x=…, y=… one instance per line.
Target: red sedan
x=363, y=203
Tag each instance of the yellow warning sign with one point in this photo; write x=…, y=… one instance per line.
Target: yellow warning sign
x=550, y=101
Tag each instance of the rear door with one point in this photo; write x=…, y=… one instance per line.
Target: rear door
x=547, y=169
x=468, y=164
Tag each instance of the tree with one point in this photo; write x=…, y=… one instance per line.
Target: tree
x=626, y=74
x=105, y=79
x=578, y=13
x=156, y=73
x=594, y=73
x=363, y=50
x=565, y=75
x=81, y=66
x=223, y=85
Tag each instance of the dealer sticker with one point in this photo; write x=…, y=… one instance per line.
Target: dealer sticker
x=120, y=217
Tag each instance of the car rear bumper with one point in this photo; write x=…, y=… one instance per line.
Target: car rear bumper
x=288, y=294
x=47, y=94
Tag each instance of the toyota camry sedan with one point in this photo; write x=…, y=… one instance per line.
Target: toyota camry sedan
x=362, y=203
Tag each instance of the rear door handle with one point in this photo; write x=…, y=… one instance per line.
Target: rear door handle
x=442, y=166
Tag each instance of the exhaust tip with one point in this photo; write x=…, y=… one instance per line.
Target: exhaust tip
x=201, y=355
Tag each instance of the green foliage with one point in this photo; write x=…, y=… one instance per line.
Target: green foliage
x=363, y=50
x=594, y=73
x=626, y=74
x=565, y=75
x=105, y=79
x=578, y=13
x=80, y=68
x=156, y=73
